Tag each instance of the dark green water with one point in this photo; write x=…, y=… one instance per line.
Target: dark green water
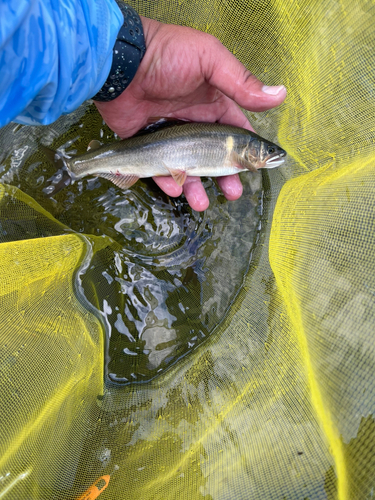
x=168, y=275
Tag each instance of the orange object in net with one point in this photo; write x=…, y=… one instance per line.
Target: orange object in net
x=96, y=489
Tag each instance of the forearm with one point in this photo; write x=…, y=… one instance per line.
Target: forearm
x=53, y=56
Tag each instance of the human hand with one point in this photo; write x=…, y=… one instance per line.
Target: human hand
x=188, y=74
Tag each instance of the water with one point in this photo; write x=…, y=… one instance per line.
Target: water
x=168, y=275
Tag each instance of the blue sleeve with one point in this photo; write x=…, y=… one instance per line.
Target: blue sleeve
x=54, y=54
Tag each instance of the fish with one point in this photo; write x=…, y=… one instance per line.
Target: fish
x=180, y=150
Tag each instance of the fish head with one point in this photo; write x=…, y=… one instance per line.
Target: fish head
x=264, y=154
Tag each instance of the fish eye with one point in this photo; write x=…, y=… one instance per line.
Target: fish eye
x=271, y=150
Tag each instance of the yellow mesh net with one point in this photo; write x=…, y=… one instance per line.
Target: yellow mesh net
x=272, y=396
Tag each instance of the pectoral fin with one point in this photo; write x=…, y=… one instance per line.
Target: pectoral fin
x=237, y=160
x=179, y=176
x=122, y=181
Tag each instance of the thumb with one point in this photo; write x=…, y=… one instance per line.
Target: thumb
x=225, y=72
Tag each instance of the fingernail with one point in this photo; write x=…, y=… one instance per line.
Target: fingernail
x=272, y=90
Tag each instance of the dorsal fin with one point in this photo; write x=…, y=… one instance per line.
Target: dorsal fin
x=155, y=124
x=94, y=144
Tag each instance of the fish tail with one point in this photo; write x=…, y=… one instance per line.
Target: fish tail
x=63, y=177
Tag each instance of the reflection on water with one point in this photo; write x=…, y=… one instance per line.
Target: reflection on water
x=172, y=277
x=168, y=275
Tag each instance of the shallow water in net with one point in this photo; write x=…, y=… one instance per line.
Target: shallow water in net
x=168, y=275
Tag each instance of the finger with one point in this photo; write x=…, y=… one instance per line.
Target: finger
x=228, y=74
x=231, y=186
x=168, y=185
x=234, y=116
x=195, y=194
x=224, y=110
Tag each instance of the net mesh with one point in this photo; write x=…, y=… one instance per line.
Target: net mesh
x=277, y=399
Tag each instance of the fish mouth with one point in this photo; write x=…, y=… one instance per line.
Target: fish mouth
x=275, y=161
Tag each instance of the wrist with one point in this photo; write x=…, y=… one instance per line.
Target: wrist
x=128, y=52
x=150, y=27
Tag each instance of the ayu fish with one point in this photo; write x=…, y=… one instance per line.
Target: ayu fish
x=187, y=149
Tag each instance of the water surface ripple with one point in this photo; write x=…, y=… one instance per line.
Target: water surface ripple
x=168, y=275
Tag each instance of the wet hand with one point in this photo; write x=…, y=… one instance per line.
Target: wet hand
x=189, y=75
